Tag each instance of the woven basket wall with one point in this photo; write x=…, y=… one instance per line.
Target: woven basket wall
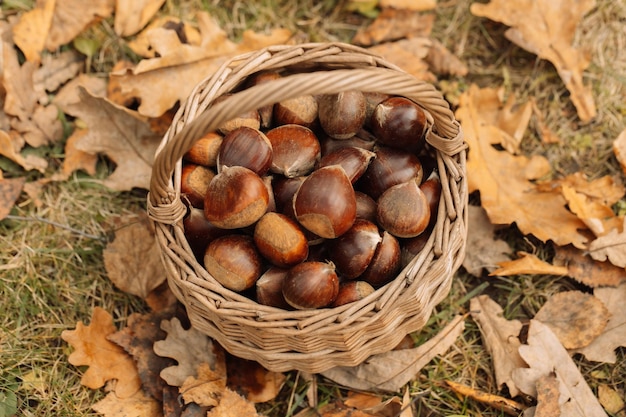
x=309, y=340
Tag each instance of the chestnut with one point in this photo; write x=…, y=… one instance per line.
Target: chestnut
x=194, y=182
x=250, y=119
x=246, y=147
x=300, y=110
x=311, y=285
x=352, y=291
x=389, y=167
x=353, y=160
x=296, y=150
x=280, y=240
x=204, y=150
x=412, y=247
x=329, y=144
x=385, y=264
x=400, y=123
x=269, y=288
x=372, y=99
x=353, y=251
x=432, y=190
x=325, y=203
x=365, y=207
x=284, y=190
x=233, y=261
x=236, y=197
x=199, y=231
x=403, y=210
x=342, y=115
x=265, y=112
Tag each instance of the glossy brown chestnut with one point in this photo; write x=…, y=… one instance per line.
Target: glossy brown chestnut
x=403, y=210
x=329, y=144
x=412, y=247
x=280, y=240
x=325, y=203
x=385, y=264
x=390, y=167
x=250, y=119
x=233, y=261
x=371, y=101
x=296, y=150
x=365, y=207
x=269, y=288
x=353, y=160
x=246, y=147
x=353, y=251
x=284, y=190
x=204, y=151
x=265, y=112
x=194, y=182
x=311, y=285
x=352, y=291
x=432, y=190
x=342, y=115
x=199, y=231
x=237, y=197
x=400, y=123
x=300, y=110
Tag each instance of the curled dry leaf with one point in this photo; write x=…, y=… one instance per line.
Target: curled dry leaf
x=483, y=249
x=607, y=190
x=505, y=405
x=587, y=271
x=132, y=15
x=527, y=263
x=611, y=246
x=598, y=217
x=575, y=318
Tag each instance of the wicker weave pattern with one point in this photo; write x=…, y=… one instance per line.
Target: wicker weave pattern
x=309, y=340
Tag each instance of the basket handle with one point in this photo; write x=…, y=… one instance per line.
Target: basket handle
x=446, y=134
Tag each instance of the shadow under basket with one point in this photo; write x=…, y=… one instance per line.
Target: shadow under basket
x=319, y=339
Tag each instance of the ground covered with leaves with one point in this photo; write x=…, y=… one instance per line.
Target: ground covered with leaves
x=534, y=321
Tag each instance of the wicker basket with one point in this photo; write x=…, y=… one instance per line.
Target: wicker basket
x=309, y=340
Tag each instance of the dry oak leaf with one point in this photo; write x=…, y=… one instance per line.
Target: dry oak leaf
x=545, y=355
x=611, y=246
x=141, y=44
x=56, y=70
x=10, y=189
x=602, y=349
x=70, y=93
x=598, y=217
x=137, y=405
x=253, y=381
x=504, y=181
x=527, y=263
x=389, y=371
x=31, y=31
x=106, y=360
x=606, y=190
x=132, y=15
x=121, y=134
x=132, y=259
x=393, y=24
x=483, y=249
x=501, y=339
x=159, y=83
x=75, y=159
x=619, y=149
x=233, y=405
x=443, y=62
x=21, y=98
x=547, y=397
x=575, y=318
x=207, y=386
x=587, y=271
x=408, y=54
x=416, y=5
x=8, y=149
x=547, y=29
x=189, y=348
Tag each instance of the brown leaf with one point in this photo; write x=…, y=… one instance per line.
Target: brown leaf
x=75, y=159
x=547, y=135
x=443, y=62
x=506, y=192
x=545, y=355
x=137, y=405
x=21, y=99
x=32, y=29
x=57, y=69
x=189, y=348
x=141, y=44
x=122, y=135
x=598, y=217
x=71, y=17
x=547, y=397
x=70, y=93
x=28, y=162
x=132, y=260
x=417, y=5
x=106, y=360
x=619, y=149
x=207, y=387
x=547, y=29
x=611, y=246
x=251, y=380
x=391, y=370
x=483, y=249
x=10, y=189
x=501, y=339
x=611, y=400
x=587, y=271
x=233, y=405
x=132, y=15
x=606, y=190
x=575, y=318
x=408, y=54
x=503, y=404
x=393, y=24
x=602, y=349
x=528, y=264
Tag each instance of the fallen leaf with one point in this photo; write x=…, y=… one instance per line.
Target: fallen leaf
x=121, y=134
x=606, y=190
x=611, y=246
x=189, y=348
x=443, y=62
x=21, y=98
x=137, y=405
x=393, y=24
x=547, y=29
x=141, y=44
x=10, y=190
x=587, y=271
x=56, y=70
x=70, y=93
x=575, y=318
x=162, y=299
x=417, y=5
x=132, y=15
x=501, y=339
x=28, y=162
x=528, y=263
x=504, y=181
x=75, y=159
x=611, y=400
x=498, y=402
x=548, y=397
x=545, y=355
x=602, y=349
x=483, y=249
x=362, y=400
x=105, y=360
x=598, y=217
x=132, y=260
x=32, y=28
x=233, y=405
x=408, y=54
x=546, y=134
x=252, y=381
x=34, y=381
x=391, y=370
x=619, y=149
x=207, y=386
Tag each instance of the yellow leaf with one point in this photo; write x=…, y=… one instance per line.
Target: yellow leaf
x=528, y=264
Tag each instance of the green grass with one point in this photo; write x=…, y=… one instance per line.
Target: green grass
x=52, y=273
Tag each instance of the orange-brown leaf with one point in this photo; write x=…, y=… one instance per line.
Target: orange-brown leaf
x=10, y=189
x=619, y=149
x=132, y=15
x=139, y=404
x=393, y=24
x=233, y=405
x=588, y=271
x=598, y=217
x=528, y=264
x=252, y=380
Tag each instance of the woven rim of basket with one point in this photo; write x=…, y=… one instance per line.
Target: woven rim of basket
x=309, y=340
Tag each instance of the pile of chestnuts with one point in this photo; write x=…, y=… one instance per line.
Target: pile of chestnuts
x=311, y=202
